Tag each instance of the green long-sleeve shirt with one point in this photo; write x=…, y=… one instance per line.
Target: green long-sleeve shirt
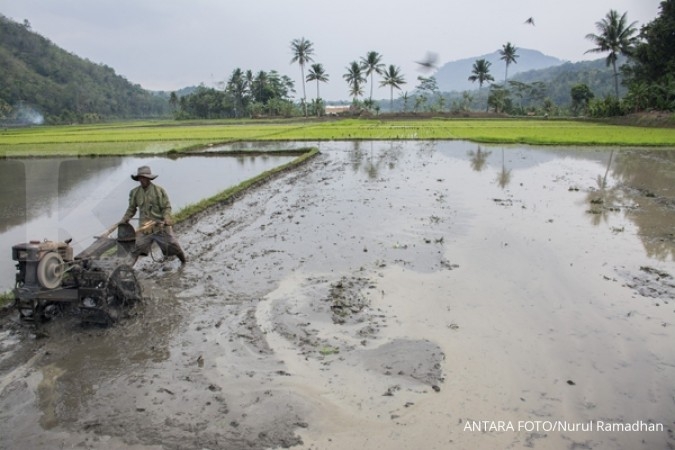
x=152, y=204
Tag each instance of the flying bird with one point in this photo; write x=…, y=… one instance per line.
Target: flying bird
x=429, y=62
x=529, y=21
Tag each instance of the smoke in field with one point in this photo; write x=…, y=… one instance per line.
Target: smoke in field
x=22, y=115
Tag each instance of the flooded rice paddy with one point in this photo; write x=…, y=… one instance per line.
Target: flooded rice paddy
x=61, y=198
x=385, y=295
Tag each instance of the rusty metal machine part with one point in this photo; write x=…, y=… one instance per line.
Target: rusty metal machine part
x=99, y=284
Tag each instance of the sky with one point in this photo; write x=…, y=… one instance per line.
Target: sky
x=171, y=44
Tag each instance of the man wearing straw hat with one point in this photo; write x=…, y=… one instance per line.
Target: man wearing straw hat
x=155, y=221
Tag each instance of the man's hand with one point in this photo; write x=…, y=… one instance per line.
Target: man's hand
x=168, y=221
x=125, y=219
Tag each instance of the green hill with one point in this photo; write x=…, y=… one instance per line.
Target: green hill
x=42, y=82
x=560, y=79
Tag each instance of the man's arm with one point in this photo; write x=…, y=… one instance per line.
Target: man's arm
x=131, y=210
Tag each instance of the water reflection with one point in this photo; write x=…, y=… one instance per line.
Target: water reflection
x=479, y=158
x=647, y=179
x=376, y=156
x=603, y=201
x=12, y=203
x=504, y=176
x=639, y=186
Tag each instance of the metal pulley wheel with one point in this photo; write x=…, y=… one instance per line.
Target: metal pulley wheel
x=50, y=270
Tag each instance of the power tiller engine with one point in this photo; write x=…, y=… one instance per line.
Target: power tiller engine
x=99, y=284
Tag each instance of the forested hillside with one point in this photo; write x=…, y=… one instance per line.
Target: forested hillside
x=560, y=79
x=40, y=81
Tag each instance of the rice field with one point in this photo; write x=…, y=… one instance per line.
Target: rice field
x=165, y=136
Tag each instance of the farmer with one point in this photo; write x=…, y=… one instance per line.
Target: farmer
x=155, y=221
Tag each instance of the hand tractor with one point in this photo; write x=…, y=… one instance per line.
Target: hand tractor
x=99, y=284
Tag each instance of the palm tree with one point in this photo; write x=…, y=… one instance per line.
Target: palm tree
x=303, y=50
x=236, y=86
x=616, y=37
x=258, y=86
x=394, y=79
x=405, y=99
x=355, y=78
x=249, y=78
x=508, y=55
x=317, y=73
x=481, y=73
x=372, y=63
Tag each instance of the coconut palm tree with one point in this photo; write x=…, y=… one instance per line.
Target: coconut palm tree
x=355, y=78
x=236, y=86
x=371, y=63
x=249, y=78
x=404, y=97
x=393, y=78
x=508, y=55
x=259, y=85
x=317, y=73
x=615, y=36
x=481, y=73
x=303, y=50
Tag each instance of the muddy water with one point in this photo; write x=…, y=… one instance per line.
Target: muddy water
x=61, y=198
x=386, y=295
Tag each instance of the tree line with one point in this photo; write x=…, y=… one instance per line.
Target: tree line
x=245, y=94
x=66, y=88
x=643, y=60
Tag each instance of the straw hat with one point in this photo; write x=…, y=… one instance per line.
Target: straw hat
x=145, y=172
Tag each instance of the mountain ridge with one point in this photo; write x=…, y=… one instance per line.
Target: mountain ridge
x=454, y=75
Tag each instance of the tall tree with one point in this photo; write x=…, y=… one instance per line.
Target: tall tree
x=650, y=74
x=393, y=78
x=236, y=86
x=303, y=50
x=355, y=79
x=509, y=56
x=404, y=97
x=481, y=72
x=317, y=73
x=372, y=63
x=581, y=94
x=615, y=36
x=259, y=86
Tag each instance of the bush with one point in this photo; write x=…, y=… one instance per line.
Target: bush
x=607, y=107
x=6, y=299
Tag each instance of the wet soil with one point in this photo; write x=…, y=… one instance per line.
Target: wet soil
x=383, y=295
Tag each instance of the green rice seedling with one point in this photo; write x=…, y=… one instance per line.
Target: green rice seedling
x=165, y=136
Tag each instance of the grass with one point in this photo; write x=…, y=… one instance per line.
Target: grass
x=6, y=299
x=163, y=136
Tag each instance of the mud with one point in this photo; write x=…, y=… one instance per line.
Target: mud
x=385, y=295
